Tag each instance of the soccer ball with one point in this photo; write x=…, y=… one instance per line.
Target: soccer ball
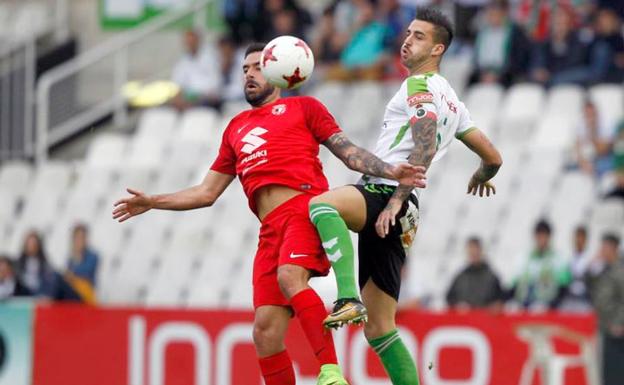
x=287, y=62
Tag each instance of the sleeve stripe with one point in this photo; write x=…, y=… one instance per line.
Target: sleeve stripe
x=416, y=85
x=461, y=135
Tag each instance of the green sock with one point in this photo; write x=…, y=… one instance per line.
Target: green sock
x=337, y=244
x=395, y=358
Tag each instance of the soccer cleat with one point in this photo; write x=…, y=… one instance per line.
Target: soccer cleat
x=331, y=375
x=346, y=311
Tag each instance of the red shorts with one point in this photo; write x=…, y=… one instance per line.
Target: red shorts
x=286, y=237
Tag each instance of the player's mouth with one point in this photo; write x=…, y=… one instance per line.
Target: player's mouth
x=404, y=53
x=252, y=86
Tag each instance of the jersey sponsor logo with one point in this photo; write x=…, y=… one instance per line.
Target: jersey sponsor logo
x=450, y=104
x=420, y=97
x=293, y=255
x=255, y=155
x=253, y=140
x=246, y=170
x=279, y=109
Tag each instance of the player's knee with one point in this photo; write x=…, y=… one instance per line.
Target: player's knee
x=267, y=337
x=292, y=279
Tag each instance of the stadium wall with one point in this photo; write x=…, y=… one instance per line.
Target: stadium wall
x=73, y=344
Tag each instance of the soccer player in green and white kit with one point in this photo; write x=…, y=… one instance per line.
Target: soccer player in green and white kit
x=420, y=122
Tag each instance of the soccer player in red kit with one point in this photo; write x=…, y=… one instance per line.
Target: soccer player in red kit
x=273, y=149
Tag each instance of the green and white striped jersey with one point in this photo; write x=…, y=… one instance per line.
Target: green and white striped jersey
x=422, y=95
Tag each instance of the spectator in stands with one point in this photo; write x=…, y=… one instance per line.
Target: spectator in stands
x=33, y=269
x=363, y=56
x=78, y=281
x=501, y=53
x=10, y=285
x=199, y=79
x=465, y=14
x=609, y=42
x=284, y=17
x=245, y=20
x=607, y=294
x=327, y=42
x=230, y=59
x=544, y=277
x=476, y=286
x=577, y=297
x=618, y=163
x=536, y=16
x=594, y=142
x=563, y=51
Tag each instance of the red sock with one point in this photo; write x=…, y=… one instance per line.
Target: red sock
x=311, y=312
x=277, y=369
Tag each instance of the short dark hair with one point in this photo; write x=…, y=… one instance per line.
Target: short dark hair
x=543, y=226
x=442, y=25
x=81, y=227
x=474, y=240
x=254, y=47
x=611, y=238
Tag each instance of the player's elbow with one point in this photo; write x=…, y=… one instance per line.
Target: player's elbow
x=494, y=160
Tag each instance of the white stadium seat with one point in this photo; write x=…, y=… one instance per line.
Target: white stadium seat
x=565, y=100
x=609, y=99
x=15, y=177
x=157, y=122
x=107, y=151
x=483, y=101
x=521, y=108
x=331, y=94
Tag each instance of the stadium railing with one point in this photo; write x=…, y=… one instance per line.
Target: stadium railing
x=88, y=88
x=18, y=69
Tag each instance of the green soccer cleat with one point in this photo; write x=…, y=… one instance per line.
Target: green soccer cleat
x=331, y=375
x=346, y=311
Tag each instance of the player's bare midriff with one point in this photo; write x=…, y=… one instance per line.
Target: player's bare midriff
x=269, y=197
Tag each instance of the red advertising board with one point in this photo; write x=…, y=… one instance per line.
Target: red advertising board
x=76, y=345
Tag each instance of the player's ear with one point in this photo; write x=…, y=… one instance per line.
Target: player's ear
x=438, y=49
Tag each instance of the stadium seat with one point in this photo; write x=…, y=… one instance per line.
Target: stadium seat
x=522, y=106
x=157, y=122
x=107, y=151
x=331, y=94
x=146, y=151
x=609, y=99
x=200, y=124
x=555, y=131
x=565, y=100
x=456, y=69
x=191, y=153
x=483, y=101
x=15, y=177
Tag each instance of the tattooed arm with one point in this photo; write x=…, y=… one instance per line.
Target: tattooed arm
x=491, y=162
x=359, y=159
x=424, y=137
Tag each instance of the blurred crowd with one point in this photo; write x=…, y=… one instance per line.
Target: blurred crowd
x=550, y=42
x=545, y=41
x=32, y=275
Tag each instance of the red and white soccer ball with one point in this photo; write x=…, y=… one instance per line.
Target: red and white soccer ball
x=287, y=62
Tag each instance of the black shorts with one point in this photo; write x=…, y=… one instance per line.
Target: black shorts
x=382, y=259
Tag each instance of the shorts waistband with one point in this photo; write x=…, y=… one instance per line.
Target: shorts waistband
x=277, y=210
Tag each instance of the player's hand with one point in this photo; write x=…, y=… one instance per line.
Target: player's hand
x=132, y=206
x=410, y=175
x=475, y=186
x=387, y=218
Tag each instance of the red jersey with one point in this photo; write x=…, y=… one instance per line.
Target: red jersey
x=277, y=144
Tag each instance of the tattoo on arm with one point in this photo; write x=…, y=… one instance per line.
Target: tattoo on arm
x=357, y=158
x=425, y=143
x=486, y=172
x=489, y=167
